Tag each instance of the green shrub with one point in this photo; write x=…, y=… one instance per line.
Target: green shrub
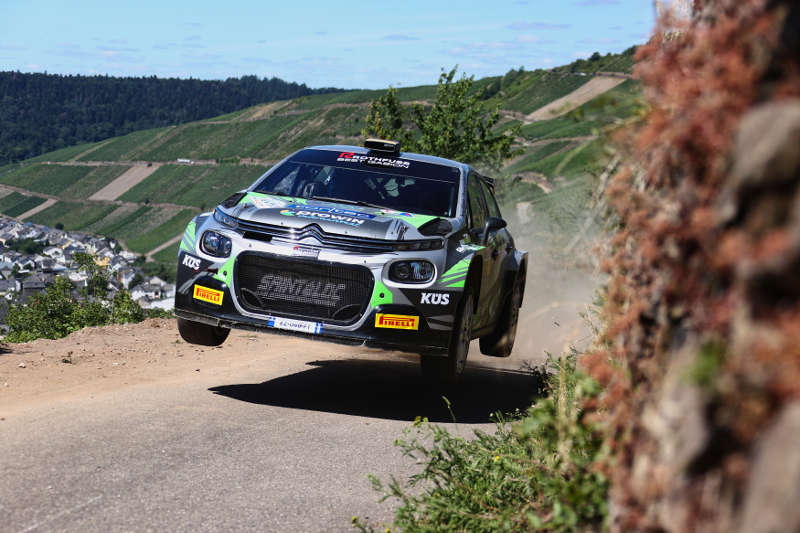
x=54, y=313
x=27, y=246
x=125, y=310
x=534, y=473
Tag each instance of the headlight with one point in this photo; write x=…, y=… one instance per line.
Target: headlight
x=215, y=244
x=411, y=271
x=225, y=219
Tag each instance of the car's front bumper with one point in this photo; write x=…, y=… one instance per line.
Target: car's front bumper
x=423, y=339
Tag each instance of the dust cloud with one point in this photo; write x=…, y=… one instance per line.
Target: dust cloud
x=557, y=312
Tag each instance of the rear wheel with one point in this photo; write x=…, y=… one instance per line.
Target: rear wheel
x=448, y=369
x=203, y=334
x=500, y=342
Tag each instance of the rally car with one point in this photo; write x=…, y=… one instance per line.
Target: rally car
x=365, y=245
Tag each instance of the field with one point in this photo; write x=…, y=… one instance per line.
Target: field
x=15, y=204
x=95, y=179
x=167, y=230
x=532, y=90
x=140, y=223
x=123, y=222
x=125, y=148
x=537, y=154
x=64, y=154
x=168, y=254
x=216, y=141
x=73, y=215
x=587, y=158
x=193, y=185
x=47, y=179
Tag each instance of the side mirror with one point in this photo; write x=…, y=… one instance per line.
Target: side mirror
x=492, y=224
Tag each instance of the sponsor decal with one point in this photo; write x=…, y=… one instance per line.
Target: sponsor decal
x=208, y=295
x=314, y=215
x=435, y=298
x=396, y=321
x=393, y=213
x=276, y=286
x=304, y=251
x=332, y=210
x=266, y=202
x=294, y=325
x=468, y=248
x=351, y=157
x=191, y=262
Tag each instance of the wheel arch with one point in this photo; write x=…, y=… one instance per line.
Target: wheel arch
x=518, y=266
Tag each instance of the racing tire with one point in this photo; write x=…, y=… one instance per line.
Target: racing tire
x=448, y=370
x=202, y=334
x=500, y=342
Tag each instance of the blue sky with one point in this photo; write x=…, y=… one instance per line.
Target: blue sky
x=367, y=44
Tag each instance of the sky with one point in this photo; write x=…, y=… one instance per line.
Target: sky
x=344, y=44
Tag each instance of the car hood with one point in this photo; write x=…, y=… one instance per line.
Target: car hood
x=332, y=217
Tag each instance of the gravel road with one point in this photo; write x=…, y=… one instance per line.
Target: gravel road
x=126, y=428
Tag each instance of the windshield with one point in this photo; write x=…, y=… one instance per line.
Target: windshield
x=362, y=186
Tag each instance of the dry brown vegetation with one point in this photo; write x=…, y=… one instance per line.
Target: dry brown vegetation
x=701, y=359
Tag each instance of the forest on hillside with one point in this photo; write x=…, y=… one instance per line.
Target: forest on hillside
x=44, y=112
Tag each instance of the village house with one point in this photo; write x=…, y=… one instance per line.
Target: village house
x=146, y=291
x=25, y=275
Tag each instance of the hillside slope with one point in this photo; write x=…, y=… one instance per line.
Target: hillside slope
x=142, y=188
x=42, y=112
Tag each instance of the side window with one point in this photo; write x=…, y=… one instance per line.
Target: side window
x=477, y=208
x=491, y=202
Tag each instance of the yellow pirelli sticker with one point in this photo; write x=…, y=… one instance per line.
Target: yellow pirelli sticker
x=396, y=321
x=208, y=295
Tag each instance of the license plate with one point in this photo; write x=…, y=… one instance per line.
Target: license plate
x=295, y=325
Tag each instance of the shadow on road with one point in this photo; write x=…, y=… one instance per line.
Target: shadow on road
x=391, y=390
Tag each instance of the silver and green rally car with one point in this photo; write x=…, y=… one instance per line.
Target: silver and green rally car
x=359, y=245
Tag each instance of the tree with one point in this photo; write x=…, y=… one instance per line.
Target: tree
x=456, y=126
x=124, y=309
x=52, y=314
x=97, y=281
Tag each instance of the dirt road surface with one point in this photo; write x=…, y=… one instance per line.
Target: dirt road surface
x=130, y=428
x=41, y=207
x=129, y=179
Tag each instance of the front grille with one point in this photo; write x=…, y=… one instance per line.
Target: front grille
x=331, y=292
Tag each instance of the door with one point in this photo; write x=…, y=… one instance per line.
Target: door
x=499, y=245
x=478, y=214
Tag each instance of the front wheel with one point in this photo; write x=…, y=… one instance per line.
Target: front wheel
x=449, y=369
x=202, y=334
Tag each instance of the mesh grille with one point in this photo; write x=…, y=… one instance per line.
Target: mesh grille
x=322, y=291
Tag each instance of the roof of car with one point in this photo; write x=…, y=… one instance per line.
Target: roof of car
x=404, y=155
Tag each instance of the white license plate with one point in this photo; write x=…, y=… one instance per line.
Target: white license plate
x=295, y=325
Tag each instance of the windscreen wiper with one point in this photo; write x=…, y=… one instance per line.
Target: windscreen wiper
x=343, y=201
